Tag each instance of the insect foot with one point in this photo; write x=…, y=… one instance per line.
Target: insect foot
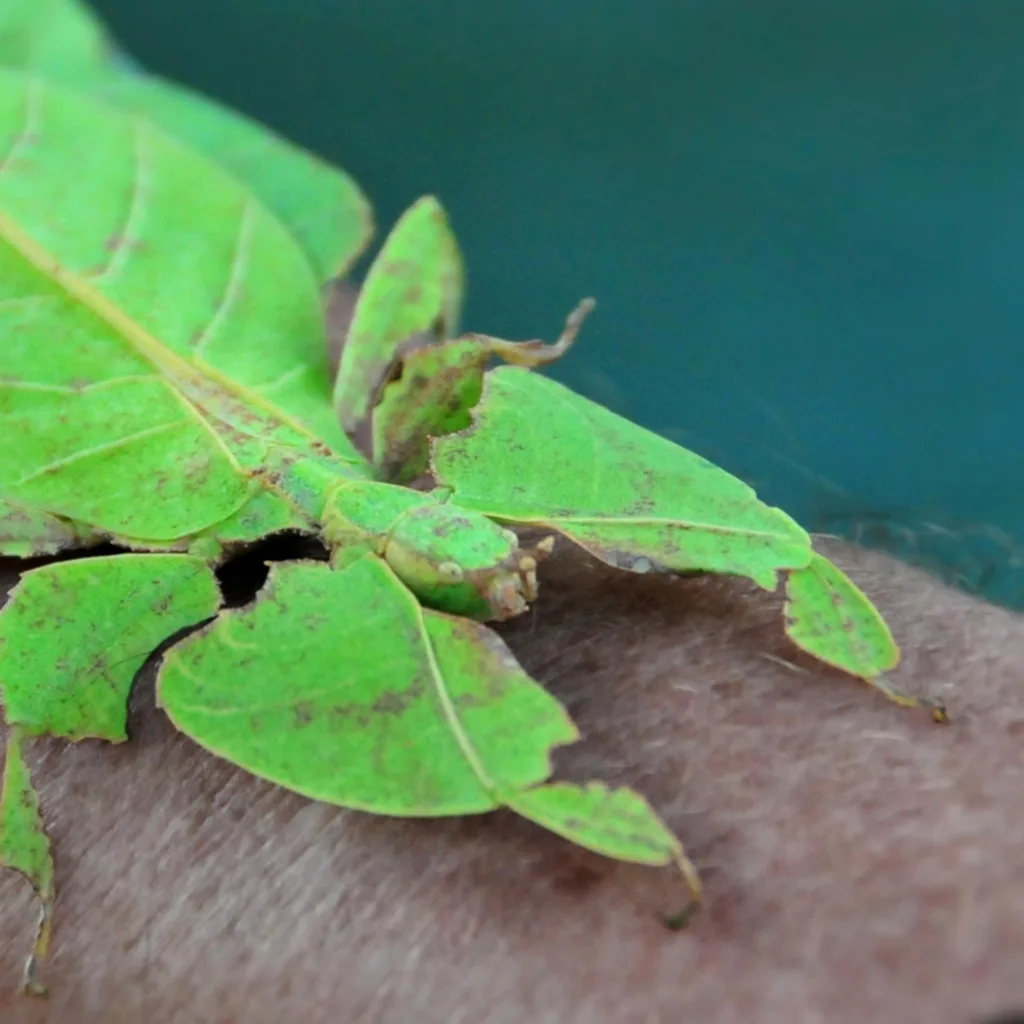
x=512, y=588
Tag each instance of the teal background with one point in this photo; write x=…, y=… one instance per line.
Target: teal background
x=803, y=221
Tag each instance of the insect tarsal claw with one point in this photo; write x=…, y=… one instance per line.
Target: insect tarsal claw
x=681, y=919
x=506, y=597
x=544, y=547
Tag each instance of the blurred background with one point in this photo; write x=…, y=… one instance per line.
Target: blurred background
x=803, y=221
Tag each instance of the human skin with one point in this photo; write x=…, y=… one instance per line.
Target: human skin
x=861, y=863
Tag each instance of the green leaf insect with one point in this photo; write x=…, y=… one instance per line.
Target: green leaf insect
x=183, y=413
x=164, y=388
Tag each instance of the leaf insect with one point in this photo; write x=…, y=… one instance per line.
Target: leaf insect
x=164, y=389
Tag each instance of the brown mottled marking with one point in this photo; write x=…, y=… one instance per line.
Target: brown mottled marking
x=118, y=241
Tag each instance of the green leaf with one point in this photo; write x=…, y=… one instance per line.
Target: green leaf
x=59, y=39
x=829, y=617
x=25, y=848
x=160, y=331
x=336, y=684
x=73, y=635
x=540, y=455
x=413, y=287
x=322, y=205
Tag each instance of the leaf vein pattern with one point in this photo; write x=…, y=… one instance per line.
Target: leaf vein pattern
x=236, y=277
x=129, y=234
x=84, y=453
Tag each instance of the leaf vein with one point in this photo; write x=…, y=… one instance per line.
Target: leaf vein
x=236, y=277
x=129, y=233
x=448, y=707
x=98, y=449
x=286, y=378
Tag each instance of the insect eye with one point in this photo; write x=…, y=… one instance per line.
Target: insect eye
x=450, y=572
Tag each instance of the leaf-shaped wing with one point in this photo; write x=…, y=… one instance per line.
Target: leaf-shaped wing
x=538, y=454
x=336, y=684
x=160, y=331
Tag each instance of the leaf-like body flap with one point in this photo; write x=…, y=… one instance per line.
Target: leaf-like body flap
x=336, y=684
x=830, y=617
x=540, y=455
x=74, y=634
x=161, y=333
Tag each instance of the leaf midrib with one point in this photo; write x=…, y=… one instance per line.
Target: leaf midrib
x=168, y=364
